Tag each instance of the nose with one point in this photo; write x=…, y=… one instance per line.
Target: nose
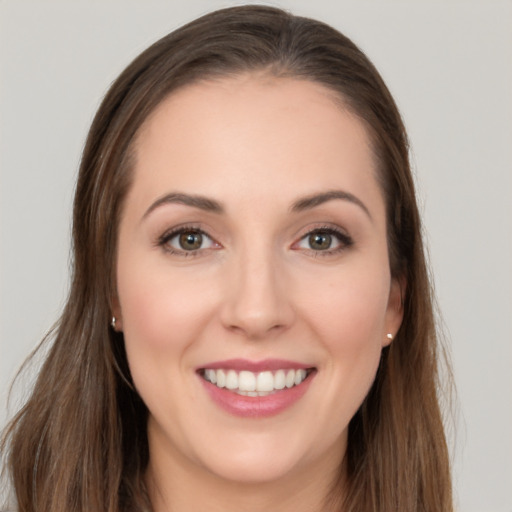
x=258, y=303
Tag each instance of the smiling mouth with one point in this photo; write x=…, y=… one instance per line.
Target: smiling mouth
x=247, y=383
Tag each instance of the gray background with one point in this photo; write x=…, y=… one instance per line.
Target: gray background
x=449, y=66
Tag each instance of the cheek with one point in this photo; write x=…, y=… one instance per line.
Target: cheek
x=161, y=319
x=348, y=317
x=351, y=306
x=157, y=304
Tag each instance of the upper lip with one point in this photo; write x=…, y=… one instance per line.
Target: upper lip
x=255, y=366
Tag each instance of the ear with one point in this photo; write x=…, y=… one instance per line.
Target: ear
x=115, y=309
x=395, y=309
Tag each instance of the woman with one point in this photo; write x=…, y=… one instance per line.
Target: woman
x=250, y=321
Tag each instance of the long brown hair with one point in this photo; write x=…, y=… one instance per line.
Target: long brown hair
x=80, y=441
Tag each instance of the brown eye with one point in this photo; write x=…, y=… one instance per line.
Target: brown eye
x=190, y=241
x=324, y=240
x=187, y=241
x=320, y=241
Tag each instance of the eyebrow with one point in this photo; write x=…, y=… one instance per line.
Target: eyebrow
x=210, y=205
x=201, y=202
x=314, y=200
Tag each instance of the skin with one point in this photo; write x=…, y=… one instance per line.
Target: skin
x=256, y=288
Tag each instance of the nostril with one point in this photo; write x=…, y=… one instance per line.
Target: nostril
x=256, y=331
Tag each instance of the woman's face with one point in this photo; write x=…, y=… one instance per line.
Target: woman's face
x=254, y=289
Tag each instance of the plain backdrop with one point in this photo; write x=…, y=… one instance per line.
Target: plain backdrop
x=449, y=66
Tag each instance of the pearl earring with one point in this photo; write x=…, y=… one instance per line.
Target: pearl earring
x=389, y=336
x=113, y=323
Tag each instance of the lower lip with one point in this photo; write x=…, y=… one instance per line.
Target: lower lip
x=257, y=406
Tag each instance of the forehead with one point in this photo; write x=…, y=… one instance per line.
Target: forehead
x=216, y=99
x=255, y=133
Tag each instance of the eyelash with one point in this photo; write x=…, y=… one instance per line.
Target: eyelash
x=344, y=240
x=163, y=241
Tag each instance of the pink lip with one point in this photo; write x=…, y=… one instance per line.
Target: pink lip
x=258, y=406
x=255, y=366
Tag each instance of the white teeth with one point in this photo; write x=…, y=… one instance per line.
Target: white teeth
x=246, y=381
x=300, y=375
x=289, y=379
x=255, y=384
x=221, y=378
x=211, y=375
x=265, y=381
x=279, y=379
x=232, y=380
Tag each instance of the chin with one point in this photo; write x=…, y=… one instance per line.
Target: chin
x=254, y=468
x=263, y=458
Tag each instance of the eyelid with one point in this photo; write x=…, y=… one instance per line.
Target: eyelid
x=164, y=239
x=343, y=238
